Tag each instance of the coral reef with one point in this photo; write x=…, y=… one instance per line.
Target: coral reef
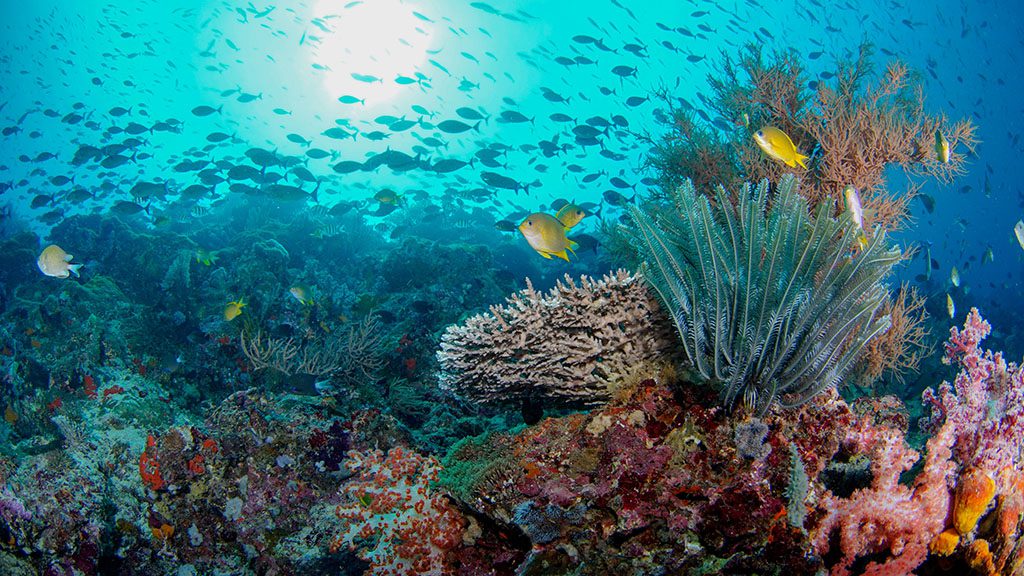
x=768, y=302
x=562, y=346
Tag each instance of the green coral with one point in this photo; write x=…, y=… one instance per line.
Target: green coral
x=771, y=303
x=469, y=462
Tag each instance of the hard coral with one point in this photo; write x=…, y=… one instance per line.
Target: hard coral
x=566, y=345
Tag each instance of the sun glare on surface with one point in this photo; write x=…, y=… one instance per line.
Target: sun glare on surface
x=362, y=49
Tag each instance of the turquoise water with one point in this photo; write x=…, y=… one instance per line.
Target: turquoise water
x=330, y=166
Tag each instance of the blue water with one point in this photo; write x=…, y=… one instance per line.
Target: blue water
x=273, y=73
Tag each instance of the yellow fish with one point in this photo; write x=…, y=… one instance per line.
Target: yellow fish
x=954, y=277
x=386, y=196
x=233, y=309
x=546, y=235
x=302, y=293
x=856, y=213
x=941, y=147
x=206, y=258
x=950, y=307
x=777, y=144
x=570, y=215
x=55, y=262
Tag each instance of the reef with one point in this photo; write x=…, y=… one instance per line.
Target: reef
x=661, y=479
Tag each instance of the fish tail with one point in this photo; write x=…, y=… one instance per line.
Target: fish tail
x=800, y=160
x=73, y=268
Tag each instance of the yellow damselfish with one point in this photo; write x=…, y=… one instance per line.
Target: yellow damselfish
x=233, y=309
x=570, y=215
x=302, y=293
x=941, y=147
x=546, y=235
x=776, y=143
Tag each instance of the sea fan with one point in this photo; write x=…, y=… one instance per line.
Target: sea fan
x=771, y=304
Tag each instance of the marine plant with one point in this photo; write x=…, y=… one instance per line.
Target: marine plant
x=771, y=304
x=854, y=127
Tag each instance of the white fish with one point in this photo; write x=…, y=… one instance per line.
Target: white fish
x=950, y=307
x=856, y=213
x=1018, y=231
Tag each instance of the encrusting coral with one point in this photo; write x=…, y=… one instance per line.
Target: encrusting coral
x=565, y=345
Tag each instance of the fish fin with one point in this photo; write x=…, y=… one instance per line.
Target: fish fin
x=73, y=268
x=68, y=257
x=545, y=254
x=572, y=247
x=799, y=158
x=562, y=255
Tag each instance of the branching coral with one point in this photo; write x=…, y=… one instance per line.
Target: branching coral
x=768, y=302
x=853, y=128
x=902, y=347
x=564, y=345
x=353, y=357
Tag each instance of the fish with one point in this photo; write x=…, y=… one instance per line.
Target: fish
x=941, y=147
x=570, y=215
x=546, y=235
x=505, y=226
x=853, y=206
x=928, y=201
x=205, y=257
x=327, y=231
x=56, y=263
x=1018, y=231
x=954, y=277
x=456, y=127
x=504, y=182
x=302, y=293
x=989, y=256
x=348, y=99
x=387, y=196
x=776, y=144
x=367, y=78
x=617, y=199
x=233, y=309
x=206, y=110
x=950, y=307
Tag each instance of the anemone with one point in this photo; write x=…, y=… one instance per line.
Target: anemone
x=771, y=303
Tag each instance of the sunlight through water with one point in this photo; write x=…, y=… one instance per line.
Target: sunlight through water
x=370, y=50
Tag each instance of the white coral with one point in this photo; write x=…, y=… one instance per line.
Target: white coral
x=564, y=345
